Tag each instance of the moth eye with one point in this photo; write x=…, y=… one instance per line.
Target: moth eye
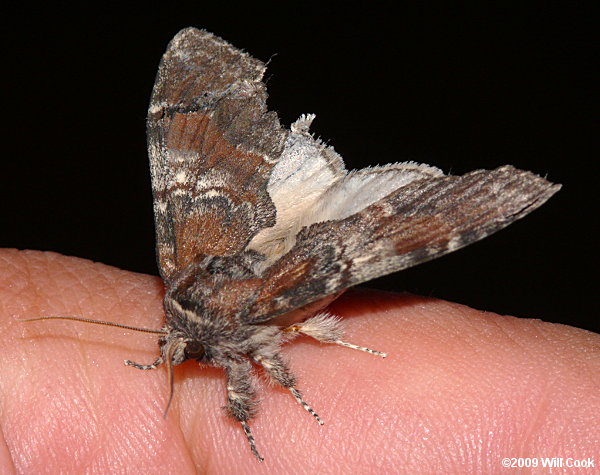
x=194, y=349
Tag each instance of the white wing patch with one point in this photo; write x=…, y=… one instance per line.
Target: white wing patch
x=310, y=184
x=361, y=188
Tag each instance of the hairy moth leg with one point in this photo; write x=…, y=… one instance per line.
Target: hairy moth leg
x=154, y=365
x=242, y=400
x=279, y=372
x=327, y=329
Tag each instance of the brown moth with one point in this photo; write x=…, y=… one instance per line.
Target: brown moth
x=254, y=221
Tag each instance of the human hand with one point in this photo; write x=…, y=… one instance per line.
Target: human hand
x=460, y=390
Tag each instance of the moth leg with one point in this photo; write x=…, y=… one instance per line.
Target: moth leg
x=327, y=329
x=154, y=365
x=279, y=372
x=242, y=400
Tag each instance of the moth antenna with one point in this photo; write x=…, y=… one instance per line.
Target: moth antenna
x=170, y=374
x=98, y=322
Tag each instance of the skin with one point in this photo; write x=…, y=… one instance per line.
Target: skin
x=460, y=390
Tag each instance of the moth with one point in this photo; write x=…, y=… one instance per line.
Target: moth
x=256, y=224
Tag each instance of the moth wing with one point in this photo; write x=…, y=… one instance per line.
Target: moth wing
x=422, y=220
x=212, y=146
x=310, y=184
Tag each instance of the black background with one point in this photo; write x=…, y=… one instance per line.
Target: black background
x=459, y=87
